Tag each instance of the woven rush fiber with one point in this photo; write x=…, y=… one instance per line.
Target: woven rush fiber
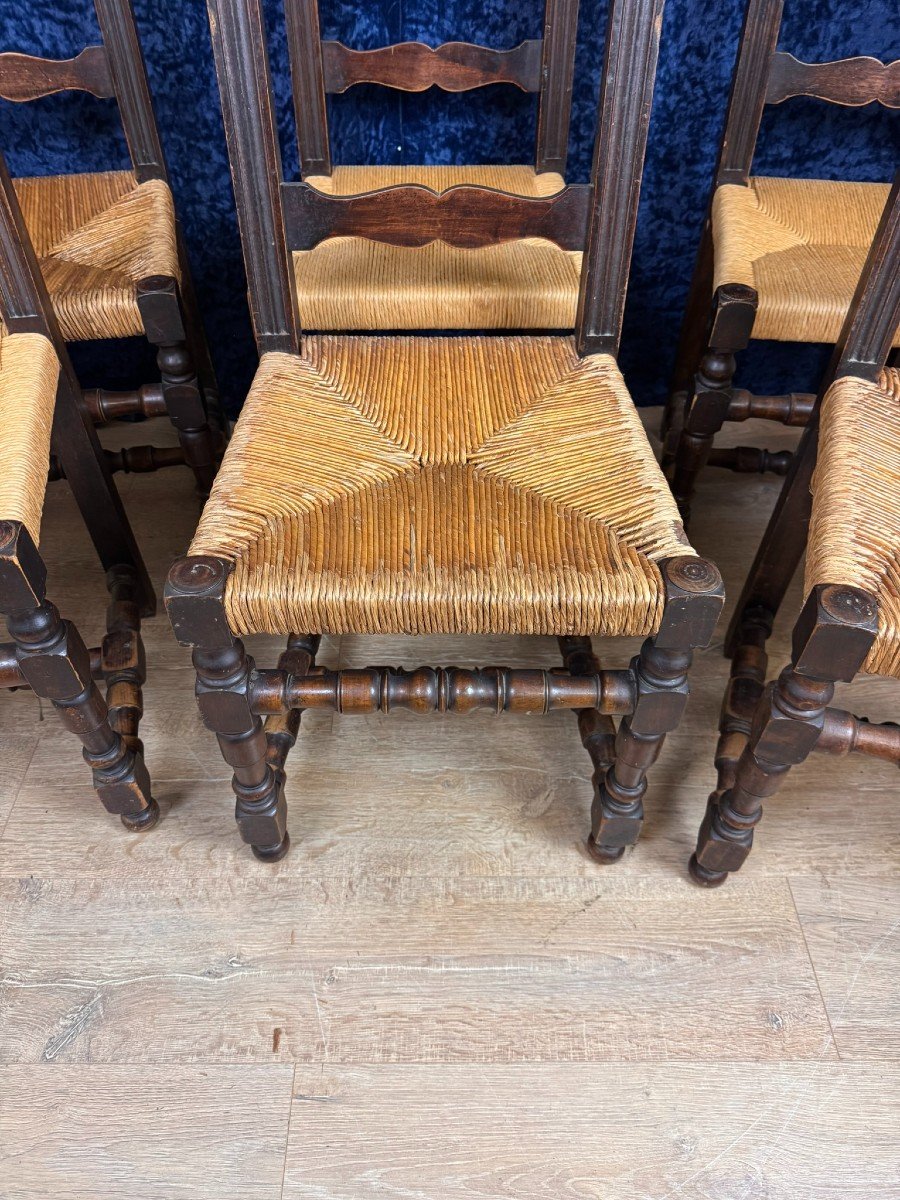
x=96, y=236
x=854, y=536
x=453, y=485
x=354, y=284
x=29, y=371
x=801, y=243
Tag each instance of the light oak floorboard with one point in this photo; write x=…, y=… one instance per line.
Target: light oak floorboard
x=822, y=1131
x=106, y=1133
x=316, y=968
x=852, y=929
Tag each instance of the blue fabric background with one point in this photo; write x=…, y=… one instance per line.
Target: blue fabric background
x=77, y=132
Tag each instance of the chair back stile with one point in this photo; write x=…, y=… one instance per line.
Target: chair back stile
x=320, y=68
x=278, y=217
x=765, y=76
x=874, y=316
x=113, y=70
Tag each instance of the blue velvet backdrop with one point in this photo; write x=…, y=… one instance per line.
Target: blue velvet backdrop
x=77, y=132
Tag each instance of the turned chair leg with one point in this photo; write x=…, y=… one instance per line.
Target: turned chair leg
x=56, y=665
x=694, y=599
x=831, y=640
x=223, y=677
x=195, y=601
x=160, y=306
x=734, y=310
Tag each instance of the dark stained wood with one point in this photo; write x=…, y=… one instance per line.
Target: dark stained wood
x=412, y=215
x=129, y=75
x=831, y=640
x=626, y=95
x=105, y=406
x=415, y=67
x=557, y=71
x=729, y=329
x=748, y=90
x=441, y=689
x=843, y=734
x=308, y=85
x=242, y=67
x=26, y=307
x=160, y=308
x=24, y=77
x=56, y=665
x=130, y=460
x=851, y=82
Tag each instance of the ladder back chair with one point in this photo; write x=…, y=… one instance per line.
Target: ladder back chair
x=352, y=283
x=844, y=487
x=110, y=245
x=427, y=484
x=779, y=258
x=41, y=409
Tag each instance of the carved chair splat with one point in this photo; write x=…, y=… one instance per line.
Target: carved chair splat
x=341, y=284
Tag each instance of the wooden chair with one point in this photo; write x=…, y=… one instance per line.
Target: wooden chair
x=850, y=622
x=426, y=484
x=779, y=258
x=109, y=243
x=41, y=407
x=352, y=283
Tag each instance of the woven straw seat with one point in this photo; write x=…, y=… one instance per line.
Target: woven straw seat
x=29, y=371
x=854, y=535
x=454, y=485
x=355, y=284
x=96, y=236
x=801, y=243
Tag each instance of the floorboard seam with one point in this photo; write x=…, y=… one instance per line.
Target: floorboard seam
x=812, y=964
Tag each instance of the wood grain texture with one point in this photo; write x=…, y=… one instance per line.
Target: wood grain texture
x=791, y=1132
x=24, y=77
x=851, y=82
x=853, y=934
x=411, y=215
x=415, y=67
x=367, y=969
x=88, y=1133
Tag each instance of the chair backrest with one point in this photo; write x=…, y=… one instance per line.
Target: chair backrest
x=278, y=217
x=543, y=65
x=113, y=70
x=764, y=75
x=873, y=319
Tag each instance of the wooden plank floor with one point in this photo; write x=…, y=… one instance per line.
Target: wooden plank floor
x=438, y=994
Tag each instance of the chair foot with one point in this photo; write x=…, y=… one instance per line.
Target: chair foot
x=705, y=877
x=142, y=821
x=273, y=854
x=603, y=854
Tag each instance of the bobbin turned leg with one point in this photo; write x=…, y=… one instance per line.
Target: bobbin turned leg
x=54, y=662
x=831, y=640
x=597, y=730
x=694, y=596
x=734, y=310
x=194, y=598
x=160, y=308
